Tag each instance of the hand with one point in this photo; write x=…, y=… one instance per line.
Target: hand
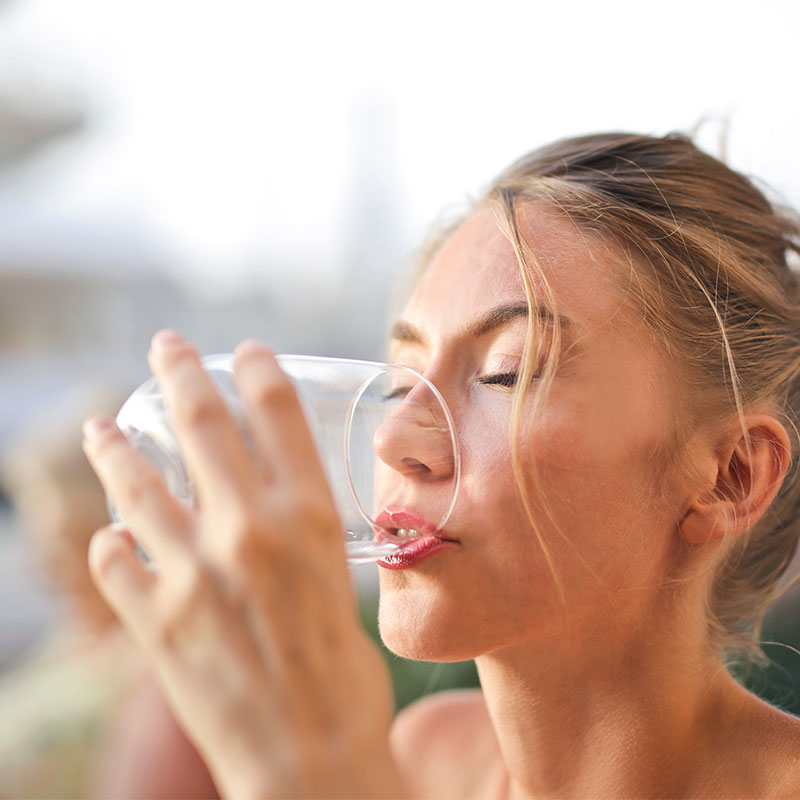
x=248, y=616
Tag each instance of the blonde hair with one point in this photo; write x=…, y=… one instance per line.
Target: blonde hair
x=710, y=273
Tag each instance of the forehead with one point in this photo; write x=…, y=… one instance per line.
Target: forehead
x=476, y=270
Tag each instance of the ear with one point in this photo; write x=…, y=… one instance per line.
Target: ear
x=745, y=470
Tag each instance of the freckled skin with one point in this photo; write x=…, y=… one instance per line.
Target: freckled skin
x=601, y=683
x=593, y=447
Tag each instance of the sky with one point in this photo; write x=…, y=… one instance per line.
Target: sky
x=234, y=134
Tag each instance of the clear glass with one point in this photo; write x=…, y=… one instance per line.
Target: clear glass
x=383, y=433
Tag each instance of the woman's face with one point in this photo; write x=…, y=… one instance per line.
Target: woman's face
x=595, y=446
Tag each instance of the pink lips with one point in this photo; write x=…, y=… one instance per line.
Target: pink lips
x=411, y=551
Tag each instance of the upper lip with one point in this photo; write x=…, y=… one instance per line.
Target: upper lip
x=393, y=519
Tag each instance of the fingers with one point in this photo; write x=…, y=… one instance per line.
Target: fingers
x=159, y=521
x=125, y=583
x=210, y=440
x=279, y=426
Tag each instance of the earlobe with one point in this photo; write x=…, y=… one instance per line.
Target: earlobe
x=748, y=470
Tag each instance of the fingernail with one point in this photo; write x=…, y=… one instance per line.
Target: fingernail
x=165, y=339
x=122, y=530
x=252, y=346
x=96, y=425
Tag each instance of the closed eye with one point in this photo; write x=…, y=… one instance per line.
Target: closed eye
x=499, y=379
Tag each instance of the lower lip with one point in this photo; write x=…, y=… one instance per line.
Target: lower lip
x=414, y=552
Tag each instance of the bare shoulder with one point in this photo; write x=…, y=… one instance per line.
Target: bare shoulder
x=782, y=756
x=759, y=755
x=446, y=747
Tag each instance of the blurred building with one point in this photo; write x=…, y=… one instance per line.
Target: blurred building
x=81, y=298
x=376, y=241
x=32, y=116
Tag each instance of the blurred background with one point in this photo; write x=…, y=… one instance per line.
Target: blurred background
x=259, y=169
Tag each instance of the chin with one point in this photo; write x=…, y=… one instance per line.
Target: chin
x=427, y=621
x=424, y=648
x=423, y=631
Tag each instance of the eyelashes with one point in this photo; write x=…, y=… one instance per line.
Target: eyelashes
x=504, y=379
x=499, y=379
x=507, y=379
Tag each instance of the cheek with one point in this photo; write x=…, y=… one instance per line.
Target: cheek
x=611, y=432
x=489, y=499
x=601, y=477
x=484, y=434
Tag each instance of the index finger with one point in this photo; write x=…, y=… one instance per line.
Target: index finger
x=279, y=424
x=211, y=443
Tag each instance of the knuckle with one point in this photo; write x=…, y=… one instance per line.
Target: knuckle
x=250, y=543
x=295, y=506
x=238, y=548
x=283, y=503
x=320, y=515
x=102, y=557
x=143, y=484
x=274, y=392
x=186, y=594
x=246, y=522
x=202, y=411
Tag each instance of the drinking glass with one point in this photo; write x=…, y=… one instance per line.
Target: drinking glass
x=383, y=433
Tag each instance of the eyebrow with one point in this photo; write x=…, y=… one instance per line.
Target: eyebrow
x=406, y=332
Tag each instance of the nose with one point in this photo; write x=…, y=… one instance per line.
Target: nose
x=415, y=440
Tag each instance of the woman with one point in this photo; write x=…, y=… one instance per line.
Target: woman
x=617, y=333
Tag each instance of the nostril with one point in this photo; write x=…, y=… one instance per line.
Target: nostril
x=415, y=467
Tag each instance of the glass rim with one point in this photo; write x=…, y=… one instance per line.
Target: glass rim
x=381, y=368
x=387, y=369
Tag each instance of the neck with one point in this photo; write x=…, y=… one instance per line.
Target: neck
x=607, y=715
